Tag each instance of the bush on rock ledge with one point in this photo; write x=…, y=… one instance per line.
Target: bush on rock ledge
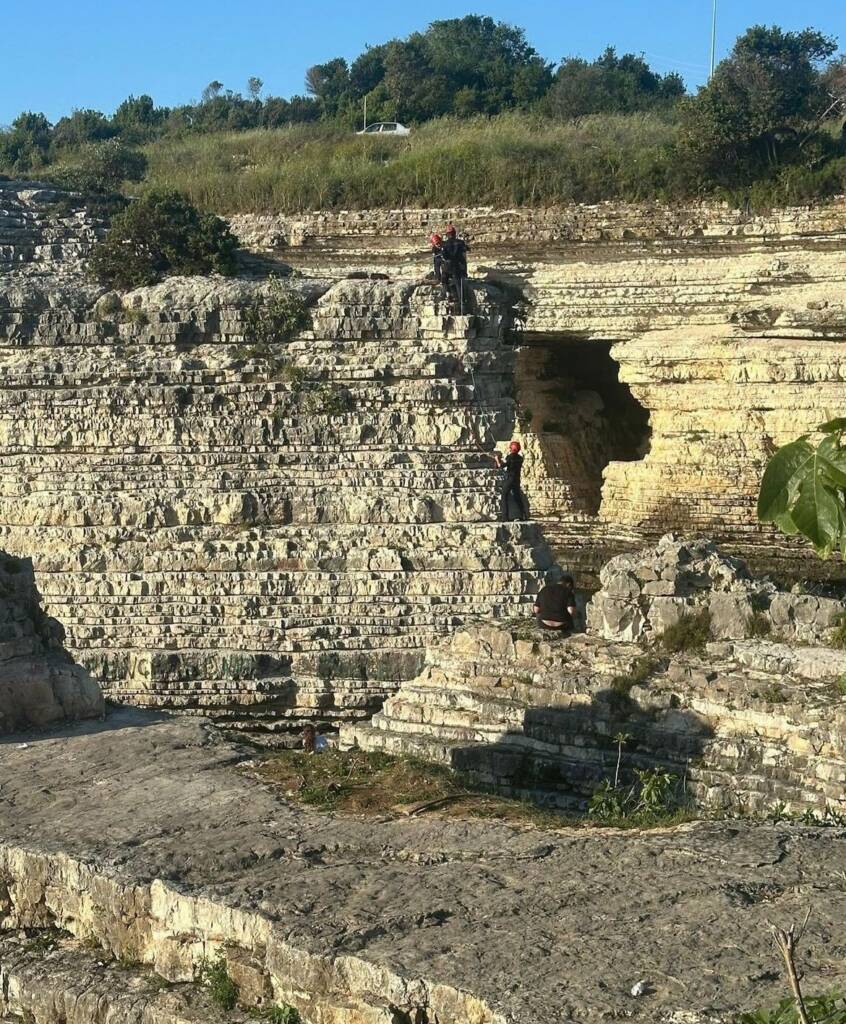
x=162, y=234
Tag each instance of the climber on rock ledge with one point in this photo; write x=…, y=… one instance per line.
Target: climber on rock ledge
x=555, y=605
x=513, y=466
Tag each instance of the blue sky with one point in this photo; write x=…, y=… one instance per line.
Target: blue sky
x=93, y=53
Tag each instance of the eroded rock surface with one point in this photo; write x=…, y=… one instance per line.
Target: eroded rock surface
x=140, y=834
x=264, y=531
x=648, y=591
x=39, y=684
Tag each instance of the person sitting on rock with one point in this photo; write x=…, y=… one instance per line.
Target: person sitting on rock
x=513, y=466
x=313, y=742
x=555, y=605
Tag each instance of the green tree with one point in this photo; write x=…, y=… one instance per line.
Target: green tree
x=461, y=65
x=101, y=167
x=489, y=57
x=329, y=83
x=754, y=113
x=414, y=89
x=162, y=234
x=211, y=91
x=368, y=70
x=610, y=84
x=137, y=119
x=81, y=127
x=254, y=87
x=26, y=145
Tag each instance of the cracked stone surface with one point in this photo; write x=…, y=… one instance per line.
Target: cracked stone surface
x=526, y=925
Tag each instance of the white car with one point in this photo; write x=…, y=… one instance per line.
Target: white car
x=385, y=128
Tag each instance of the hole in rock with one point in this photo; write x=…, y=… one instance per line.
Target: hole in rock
x=571, y=397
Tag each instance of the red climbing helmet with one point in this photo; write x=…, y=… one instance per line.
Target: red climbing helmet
x=436, y=239
x=450, y=231
x=514, y=446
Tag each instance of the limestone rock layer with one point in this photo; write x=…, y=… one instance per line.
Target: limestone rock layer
x=265, y=531
x=667, y=351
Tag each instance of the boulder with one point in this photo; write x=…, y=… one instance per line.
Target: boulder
x=645, y=593
x=39, y=684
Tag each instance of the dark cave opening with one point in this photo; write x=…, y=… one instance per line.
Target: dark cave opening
x=571, y=398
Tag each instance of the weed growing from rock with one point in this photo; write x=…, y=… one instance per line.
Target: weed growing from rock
x=641, y=670
x=45, y=940
x=758, y=625
x=214, y=974
x=829, y=1008
x=652, y=799
x=688, y=635
x=275, y=316
x=837, y=639
x=772, y=694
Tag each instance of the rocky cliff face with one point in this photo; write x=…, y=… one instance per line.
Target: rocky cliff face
x=269, y=533
x=666, y=352
x=743, y=718
x=257, y=531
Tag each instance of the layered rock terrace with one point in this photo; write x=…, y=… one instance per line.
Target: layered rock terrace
x=752, y=722
x=725, y=327
x=265, y=532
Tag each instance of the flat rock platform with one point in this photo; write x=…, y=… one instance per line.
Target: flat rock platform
x=140, y=832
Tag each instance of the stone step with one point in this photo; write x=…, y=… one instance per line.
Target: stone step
x=73, y=984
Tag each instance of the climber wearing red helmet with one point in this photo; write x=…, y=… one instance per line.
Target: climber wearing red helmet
x=437, y=255
x=513, y=466
x=454, y=265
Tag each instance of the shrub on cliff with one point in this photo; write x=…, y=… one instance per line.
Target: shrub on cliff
x=101, y=167
x=159, y=235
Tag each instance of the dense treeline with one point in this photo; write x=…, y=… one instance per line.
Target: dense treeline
x=768, y=125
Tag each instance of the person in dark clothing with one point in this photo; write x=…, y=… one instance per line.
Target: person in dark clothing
x=437, y=255
x=453, y=264
x=513, y=466
x=555, y=605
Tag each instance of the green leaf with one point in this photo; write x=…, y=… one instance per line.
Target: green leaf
x=817, y=510
x=785, y=522
x=782, y=477
x=832, y=460
x=835, y=426
x=802, y=491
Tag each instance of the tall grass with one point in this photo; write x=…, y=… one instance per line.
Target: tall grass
x=510, y=160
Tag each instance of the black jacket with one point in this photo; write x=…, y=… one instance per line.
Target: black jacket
x=513, y=466
x=454, y=252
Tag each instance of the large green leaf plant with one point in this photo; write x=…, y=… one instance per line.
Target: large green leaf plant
x=804, y=489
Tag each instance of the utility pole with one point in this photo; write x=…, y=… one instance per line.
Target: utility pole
x=365, y=113
x=713, y=38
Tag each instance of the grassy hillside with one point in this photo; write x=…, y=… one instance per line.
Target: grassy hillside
x=503, y=161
